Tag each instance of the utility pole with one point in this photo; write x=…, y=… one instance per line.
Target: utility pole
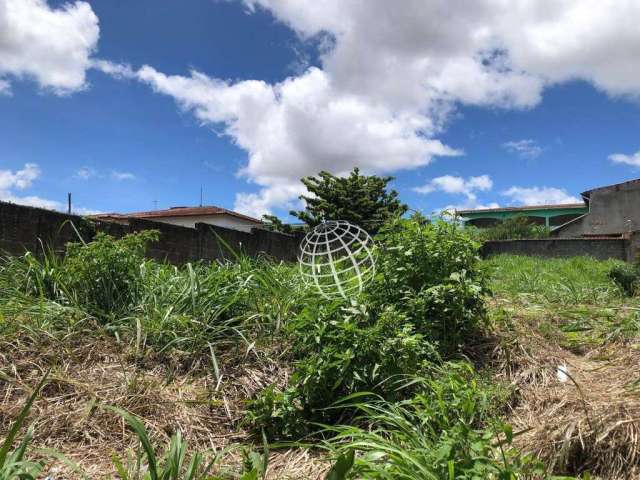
x=69, y=203
x=201, y=195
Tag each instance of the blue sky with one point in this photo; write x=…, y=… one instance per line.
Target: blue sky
x=113, y=112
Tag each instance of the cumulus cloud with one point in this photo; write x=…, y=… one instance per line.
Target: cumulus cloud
x=523, y=148
x=299, y=127
x=476, y=51
x=457, y=185
x=633, y=159
x=539, y=196
x=49, y=45
x=390, y=78
x=21, y=180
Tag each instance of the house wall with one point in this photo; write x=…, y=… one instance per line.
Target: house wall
x=28, y=229
x=613, y=210
x=226, y=221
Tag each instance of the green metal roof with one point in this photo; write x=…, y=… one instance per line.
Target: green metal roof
x=544, y=211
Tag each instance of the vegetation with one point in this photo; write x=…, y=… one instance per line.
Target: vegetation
x=446, y=366
x=626, y=277
x=514, y=228
x=359, y=199
x=424, y=302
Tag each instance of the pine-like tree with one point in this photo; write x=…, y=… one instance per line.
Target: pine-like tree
x=360, y=199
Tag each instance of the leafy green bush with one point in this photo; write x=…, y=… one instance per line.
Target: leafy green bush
x=339, y=350
x=104, y=275
x=425, y=301
x=430, y=272
x=627, y=277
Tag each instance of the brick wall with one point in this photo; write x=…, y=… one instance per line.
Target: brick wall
x=23, y=228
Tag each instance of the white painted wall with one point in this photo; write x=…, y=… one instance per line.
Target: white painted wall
x=226, y=221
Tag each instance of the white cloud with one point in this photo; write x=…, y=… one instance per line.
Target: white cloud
x=85, y=211
x=50, y=45
x=457, y=185
x=539, y=196
x=469, y=205
x=480, y=51
x=390, y=78
x=120, y=176
x=299, y=127
x=21, y=180
x=633, y=159
x=5, y=87
x=85, y=173
x=524, y=148
x=116, y=70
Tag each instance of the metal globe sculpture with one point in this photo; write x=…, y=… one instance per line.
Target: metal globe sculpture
x=336, y=258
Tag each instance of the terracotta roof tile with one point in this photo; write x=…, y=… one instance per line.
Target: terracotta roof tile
x=180, y=212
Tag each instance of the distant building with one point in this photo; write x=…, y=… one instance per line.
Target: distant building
x=613, y=211
x=549, y=215
x=188, y=217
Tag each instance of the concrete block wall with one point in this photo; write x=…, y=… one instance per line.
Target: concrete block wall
x=600, y=248
x=22, y=228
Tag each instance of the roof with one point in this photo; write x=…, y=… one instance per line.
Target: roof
x=178, y=212
x=561, y=206
x=587, y=193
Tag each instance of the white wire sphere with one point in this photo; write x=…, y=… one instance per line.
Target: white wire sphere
x=337, y=258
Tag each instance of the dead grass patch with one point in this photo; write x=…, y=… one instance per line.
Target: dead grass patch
x=586, y=421
x=88, y=370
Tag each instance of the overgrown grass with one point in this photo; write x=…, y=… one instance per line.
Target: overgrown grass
x=412, y=326
x=572, y=301
x=558, y=281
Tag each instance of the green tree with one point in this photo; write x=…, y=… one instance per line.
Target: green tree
x=360, y=199
x=274, y=224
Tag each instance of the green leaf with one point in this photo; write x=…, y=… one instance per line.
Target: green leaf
x=342, y=467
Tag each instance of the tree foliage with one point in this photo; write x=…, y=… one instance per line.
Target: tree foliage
x=360, y=199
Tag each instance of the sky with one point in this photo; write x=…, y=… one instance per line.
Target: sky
x=468, y=103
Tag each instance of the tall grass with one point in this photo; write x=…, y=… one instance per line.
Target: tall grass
x=186, y=309
x=571, y=300
x=561, y=281
x=447, y=431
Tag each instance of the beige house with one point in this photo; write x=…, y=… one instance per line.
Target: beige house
x=189, y=216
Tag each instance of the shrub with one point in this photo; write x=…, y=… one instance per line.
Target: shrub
x=439, y=433
x=430, y=271
x=340, y=350
x=627, y=277
x=514, y=228
x=425, y=301
x=104, y=275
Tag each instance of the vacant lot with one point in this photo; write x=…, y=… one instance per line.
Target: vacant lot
x=447, y=367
